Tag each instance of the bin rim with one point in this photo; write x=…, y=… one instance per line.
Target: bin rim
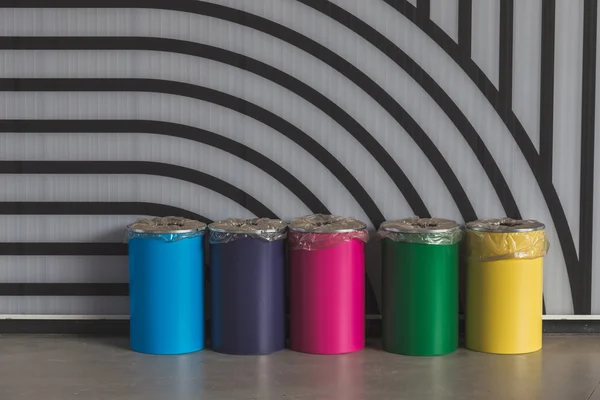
x=166, y=226
x=505, y=225
x=416, y=225
x=245, y=226
x=324, y=223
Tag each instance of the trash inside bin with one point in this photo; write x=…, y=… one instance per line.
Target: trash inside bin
x=247, y=277
x=420, y=286
x=166, y=285
x=327, y=284
x=504, y=285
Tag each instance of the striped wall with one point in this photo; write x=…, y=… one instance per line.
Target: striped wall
x=378, y=109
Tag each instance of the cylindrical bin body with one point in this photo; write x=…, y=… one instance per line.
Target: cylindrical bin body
x=247, y=276
x=420, y=286
x=166, y=285
x=327, y=284
x=504, y=286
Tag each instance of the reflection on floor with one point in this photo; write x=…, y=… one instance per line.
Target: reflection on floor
x=80, y=367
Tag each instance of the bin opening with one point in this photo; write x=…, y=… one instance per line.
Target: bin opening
x=421, y=230
x=169, y=224
x=323, y=223
x=510, y=223
x=426, y=225
x=506, y=225
x=240, y=223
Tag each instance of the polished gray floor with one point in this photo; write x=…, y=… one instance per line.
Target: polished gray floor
x=69, y=367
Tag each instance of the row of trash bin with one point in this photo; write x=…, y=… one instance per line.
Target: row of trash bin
x=326, y=275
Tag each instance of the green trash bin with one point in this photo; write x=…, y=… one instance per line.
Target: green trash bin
x=420, y=286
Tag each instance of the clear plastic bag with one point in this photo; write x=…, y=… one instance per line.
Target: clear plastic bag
x=318, y=241
x=169, y=229
x=232, y=229
x=320, y=231
x=417, y=230
x=501, y=239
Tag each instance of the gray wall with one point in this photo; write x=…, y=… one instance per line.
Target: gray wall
x=477, y=111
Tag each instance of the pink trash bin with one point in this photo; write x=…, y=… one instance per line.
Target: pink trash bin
x=327, y=284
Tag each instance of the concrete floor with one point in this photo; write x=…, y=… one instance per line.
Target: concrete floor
x=71, y=367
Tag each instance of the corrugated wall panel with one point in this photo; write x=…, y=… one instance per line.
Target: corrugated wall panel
x=64, y=269
x=567, y=107
x=445, y=15
x=527, y=66
x=486, y=37
x=372, y=108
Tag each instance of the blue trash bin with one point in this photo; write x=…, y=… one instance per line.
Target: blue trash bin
x=166, y=285
x=247, y=281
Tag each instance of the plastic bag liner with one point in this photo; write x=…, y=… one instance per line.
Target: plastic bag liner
x=232, y=229
x=421, y=231
x=505, y=238
x=169, y=229
x=319, y=231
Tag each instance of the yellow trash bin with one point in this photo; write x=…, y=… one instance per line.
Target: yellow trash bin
x=504, y=285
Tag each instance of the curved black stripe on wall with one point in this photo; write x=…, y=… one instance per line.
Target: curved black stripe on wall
x=449, y=107
x=216, y=97
x=175, y=130
x=64, y=289
x=142, y=168
x=424, y=8
x=63, y=249
x=577, y=283
x=259, y=68
x=96, y=208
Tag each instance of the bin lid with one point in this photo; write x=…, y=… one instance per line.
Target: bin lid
x=420, y=225
x=506, y=225
x=254, y=226
x=322, y=223
x=166, y=225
